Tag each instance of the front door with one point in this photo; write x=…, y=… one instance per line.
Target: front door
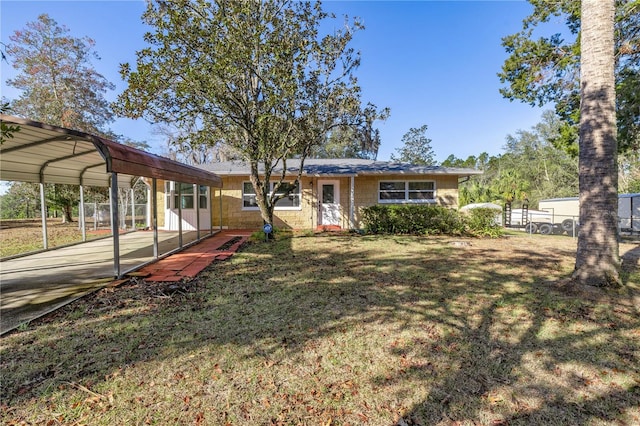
x=329, y=201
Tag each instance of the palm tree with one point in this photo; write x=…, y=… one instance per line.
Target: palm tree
x=597, y=257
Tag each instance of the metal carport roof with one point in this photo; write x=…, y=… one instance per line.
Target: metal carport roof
x=42, y=153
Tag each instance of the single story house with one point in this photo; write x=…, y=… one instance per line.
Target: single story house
x=331, y=193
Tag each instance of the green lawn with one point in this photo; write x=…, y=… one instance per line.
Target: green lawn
x=337, y=330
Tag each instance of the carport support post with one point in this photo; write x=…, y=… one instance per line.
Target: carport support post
x=179, y=214
x=351, y=203
x=133, y=210
x=147, y=211
x=43, y=213
x=197, y=201
x=221, y=209
x=210, y=192
x=154, y=215
x=113, y=192
x=84, y=231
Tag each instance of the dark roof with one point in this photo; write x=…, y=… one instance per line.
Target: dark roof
x=53, y=154
x=341, y=167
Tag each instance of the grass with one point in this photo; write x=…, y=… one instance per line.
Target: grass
x=23, y=236
x=337, y=330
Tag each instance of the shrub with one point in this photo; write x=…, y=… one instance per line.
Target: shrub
x=377, y=220
x=446, y=221
x=482, y=222
x=411, y=219
x=429, y=220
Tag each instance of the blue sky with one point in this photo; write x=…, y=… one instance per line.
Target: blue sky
x=430, y=62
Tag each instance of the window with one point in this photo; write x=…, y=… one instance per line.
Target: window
x=407, y=192
x=186, y=192
x=422, y=191
x=291, y=202
x=167, y=194
x=203, y=200
x=328, y=194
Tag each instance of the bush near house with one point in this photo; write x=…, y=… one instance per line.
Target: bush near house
x=429, y=220
x=482, y=222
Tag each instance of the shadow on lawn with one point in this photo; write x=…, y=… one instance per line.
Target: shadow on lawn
x=491, y=362
x=631, y=260
x=266, y=304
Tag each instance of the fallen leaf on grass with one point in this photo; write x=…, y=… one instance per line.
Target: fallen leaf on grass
x=199, y=420
x=494, y=399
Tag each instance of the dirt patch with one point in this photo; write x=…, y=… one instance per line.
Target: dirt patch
x=229, y=244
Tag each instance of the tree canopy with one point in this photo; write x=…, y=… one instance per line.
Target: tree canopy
x=260, y=76
x=416, y=148
x=59, y=84
x=546, y=69
x=348, y=142
x=530, y=168
x=6, y=130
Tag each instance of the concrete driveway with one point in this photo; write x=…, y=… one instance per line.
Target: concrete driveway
x=34, y=285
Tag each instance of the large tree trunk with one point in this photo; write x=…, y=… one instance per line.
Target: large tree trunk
x=261, y=188
x=67, y=213
x=597, y=257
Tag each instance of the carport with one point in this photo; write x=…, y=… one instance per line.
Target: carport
x=41, y=153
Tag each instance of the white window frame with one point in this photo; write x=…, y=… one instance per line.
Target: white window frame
x=297, y=194
x=184, y=195
x=203, y=196
x=171, y=195
x=168, y=194
x=407, y=191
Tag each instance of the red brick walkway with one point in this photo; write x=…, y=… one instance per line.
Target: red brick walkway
x=191, y=261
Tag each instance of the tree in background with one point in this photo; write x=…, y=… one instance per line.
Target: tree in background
x=21, y=201
x=546, y=69
x=180, y=148
x=6, y=130
x=58, y=83
x=543, y=170
x=416, y=148
x=530, y=168
x=258, y=75
x=348, y=142
x=478, y=188
x=60, y=87
x=597, y=257
x=629, y=173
